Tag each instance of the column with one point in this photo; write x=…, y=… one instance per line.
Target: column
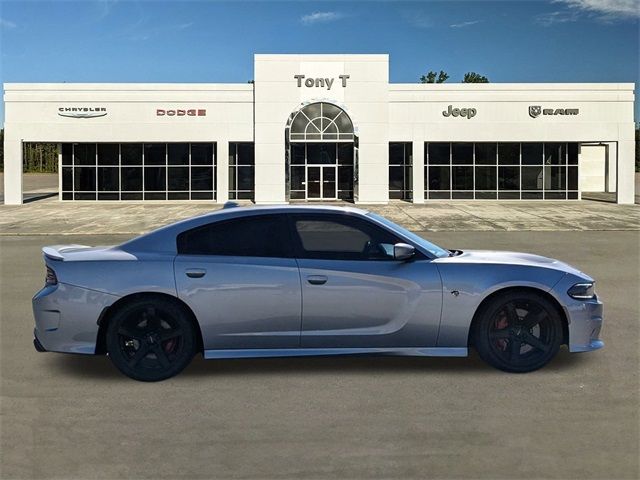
x=222, y=171
x=626, y=168
x=418, y=171
x=12, y=170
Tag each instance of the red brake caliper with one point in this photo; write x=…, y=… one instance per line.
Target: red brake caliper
x=501, y=323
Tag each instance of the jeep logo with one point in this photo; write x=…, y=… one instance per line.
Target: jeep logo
x=536, y=110
x=459, y=112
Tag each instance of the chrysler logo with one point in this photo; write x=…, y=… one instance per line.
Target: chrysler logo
x=536, y=110
x=82, y=112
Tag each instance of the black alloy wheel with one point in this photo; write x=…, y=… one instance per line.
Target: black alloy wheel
x=518, y=332
x=151, y=339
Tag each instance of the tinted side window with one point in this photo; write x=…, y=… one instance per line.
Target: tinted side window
x=253, y=236
x=342, y=238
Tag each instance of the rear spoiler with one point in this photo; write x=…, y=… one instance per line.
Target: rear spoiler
x=56, y=252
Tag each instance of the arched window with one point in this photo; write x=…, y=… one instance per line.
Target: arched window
x=321, y=122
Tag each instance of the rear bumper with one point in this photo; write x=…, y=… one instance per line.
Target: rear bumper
x=66, y=318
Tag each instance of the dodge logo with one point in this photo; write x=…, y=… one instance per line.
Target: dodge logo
x=534, y=111
x=179, y=112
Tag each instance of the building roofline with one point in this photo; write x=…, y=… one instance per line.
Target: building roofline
x=403, y=87
x=174, y=87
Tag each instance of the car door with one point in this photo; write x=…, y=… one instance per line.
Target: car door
x=354, y=294
x=239, y=278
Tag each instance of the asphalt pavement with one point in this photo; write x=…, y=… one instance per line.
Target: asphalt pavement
x=76, y=417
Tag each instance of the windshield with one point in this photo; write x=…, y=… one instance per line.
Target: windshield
x=435, y=250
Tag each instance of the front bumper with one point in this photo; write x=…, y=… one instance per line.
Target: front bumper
x=36, y=343
x=66, y=318
x=585, y=324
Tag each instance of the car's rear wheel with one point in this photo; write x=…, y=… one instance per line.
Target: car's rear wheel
x=151, y=339
x=519, y=331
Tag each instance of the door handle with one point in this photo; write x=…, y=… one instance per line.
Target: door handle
x=195, y=272
x=317, y=279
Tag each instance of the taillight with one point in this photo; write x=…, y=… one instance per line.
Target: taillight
x=51, y=278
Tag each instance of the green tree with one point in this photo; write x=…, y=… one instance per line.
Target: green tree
x=40, y=157
x=433, y=77
x=473, y=77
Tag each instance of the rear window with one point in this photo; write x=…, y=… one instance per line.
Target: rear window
x=252, y=236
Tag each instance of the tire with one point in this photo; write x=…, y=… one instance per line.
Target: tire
x=151, y=339
x=518, y=332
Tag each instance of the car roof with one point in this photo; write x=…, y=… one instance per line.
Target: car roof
x=290, y=208
x=163, y=238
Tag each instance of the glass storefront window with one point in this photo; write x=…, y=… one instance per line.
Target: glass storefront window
x=532, y=154
x=462, y=178
x=439, y=178
x=508, y=178
x=320, y=121
x=400, y=170
x=508, y=153
x=486, y=153
x=67, y=154
x=438, y=154
x=555, y=154
x=109, y=154
x=486, y=178
x=529, y=170
x=131, y=153
x=155, y=153
x=178, y=154
x=84, y=154
x=321, y=153
x=462, y=153
x=108, y=179
x=136, y=171
x=531, y=178
x=241, y=171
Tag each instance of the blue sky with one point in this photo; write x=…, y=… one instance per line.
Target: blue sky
x=213, y=41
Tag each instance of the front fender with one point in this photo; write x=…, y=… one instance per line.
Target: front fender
x=465, y=286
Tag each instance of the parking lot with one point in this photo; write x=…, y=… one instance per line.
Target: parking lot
x=68, y=416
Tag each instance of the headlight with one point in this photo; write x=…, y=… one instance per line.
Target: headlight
x=582, y=291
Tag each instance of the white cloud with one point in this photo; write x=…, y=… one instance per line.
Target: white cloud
x=600, y=10
x=605, y=8
x=560, y=16
x=105, y=7
x=464, y=24
x=321, y=17
x=6, y=24
x=418, y=19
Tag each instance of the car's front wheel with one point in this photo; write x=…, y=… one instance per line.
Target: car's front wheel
x=519, y=331
x=151, y=339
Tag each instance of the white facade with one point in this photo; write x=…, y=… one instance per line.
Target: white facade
x=596, y=118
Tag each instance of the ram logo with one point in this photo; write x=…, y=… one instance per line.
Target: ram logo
x=535, y=111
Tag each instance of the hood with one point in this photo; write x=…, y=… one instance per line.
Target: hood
x=493, y=257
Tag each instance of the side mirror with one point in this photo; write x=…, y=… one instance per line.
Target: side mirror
x=403, y=251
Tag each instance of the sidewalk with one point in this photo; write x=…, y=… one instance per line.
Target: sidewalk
x=52, y=217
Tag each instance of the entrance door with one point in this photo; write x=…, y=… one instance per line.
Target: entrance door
x=321, y=182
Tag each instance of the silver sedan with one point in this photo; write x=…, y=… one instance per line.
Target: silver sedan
x=295, y=281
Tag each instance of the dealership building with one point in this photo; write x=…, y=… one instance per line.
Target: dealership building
x=325, y=127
